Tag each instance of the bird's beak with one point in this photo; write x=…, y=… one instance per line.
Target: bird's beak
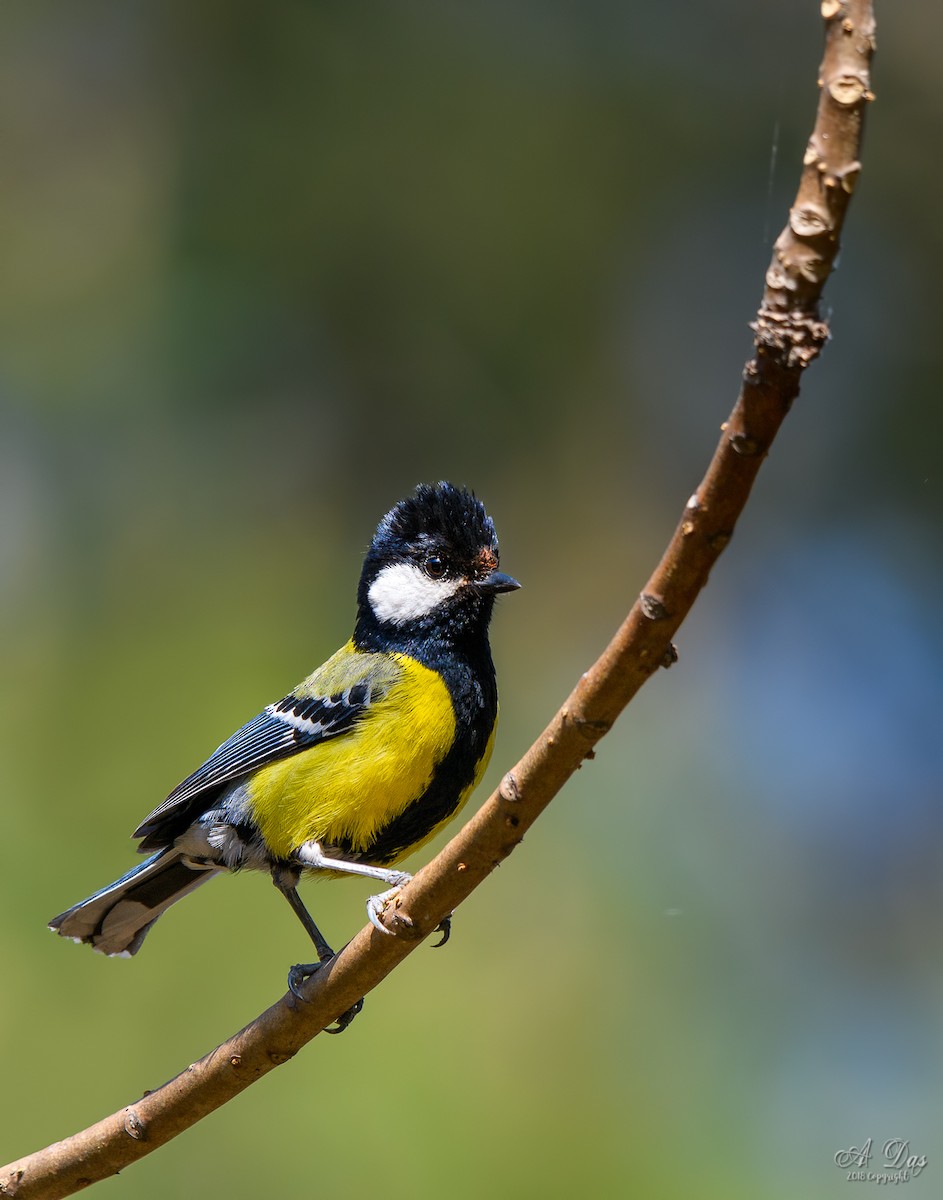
x=496, y=582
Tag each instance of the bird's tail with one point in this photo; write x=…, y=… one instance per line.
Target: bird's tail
x=116, y=919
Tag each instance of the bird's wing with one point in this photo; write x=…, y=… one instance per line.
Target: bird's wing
x=328, y=704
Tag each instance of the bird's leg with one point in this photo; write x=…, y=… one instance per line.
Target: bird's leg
x=287, y=883
x=312, y=856
x=320, y=944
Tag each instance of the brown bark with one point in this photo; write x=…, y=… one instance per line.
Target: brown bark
x=788, y=335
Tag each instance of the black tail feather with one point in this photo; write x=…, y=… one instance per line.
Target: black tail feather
x=116, y=919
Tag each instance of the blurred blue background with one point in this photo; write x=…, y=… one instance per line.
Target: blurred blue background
x=265, y=268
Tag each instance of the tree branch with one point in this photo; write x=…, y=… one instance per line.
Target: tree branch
x=788, y=336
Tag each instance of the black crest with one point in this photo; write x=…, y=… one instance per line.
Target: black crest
x=438, y=512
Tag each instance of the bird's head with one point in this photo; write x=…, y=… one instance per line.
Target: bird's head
x=432, y=568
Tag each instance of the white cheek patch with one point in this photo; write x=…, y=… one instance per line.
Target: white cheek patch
x=403, y=592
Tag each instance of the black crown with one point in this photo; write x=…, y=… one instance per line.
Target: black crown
x=439, y=511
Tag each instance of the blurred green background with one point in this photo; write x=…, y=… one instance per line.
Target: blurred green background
x=267, y=266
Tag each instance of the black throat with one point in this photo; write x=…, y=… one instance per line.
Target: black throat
x=458, y=650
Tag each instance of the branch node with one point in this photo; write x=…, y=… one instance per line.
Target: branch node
x=810, y=221
x=652, y=607
x=848, y=90
x=591, y=730
x=789, y=338
x=134, y=1126
x=11, y=1185
x=846, y=177
x=401, y=925
x=746, y=447
x=509, y=788
x=670, y=656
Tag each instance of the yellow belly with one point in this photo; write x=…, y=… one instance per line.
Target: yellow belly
x=348, y=788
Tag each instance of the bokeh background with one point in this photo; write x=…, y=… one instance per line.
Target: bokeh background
x=264, y=267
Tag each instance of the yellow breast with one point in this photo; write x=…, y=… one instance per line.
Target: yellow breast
x=348, y=788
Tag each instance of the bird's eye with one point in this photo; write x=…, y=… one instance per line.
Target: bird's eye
x=434, y=567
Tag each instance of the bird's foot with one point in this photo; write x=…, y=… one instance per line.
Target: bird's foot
x=376, y=905
x=296, y=977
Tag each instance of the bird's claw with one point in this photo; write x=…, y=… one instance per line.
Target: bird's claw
x=445, y=928
x=345, y=1018
x=297, y=976
x=376, y=905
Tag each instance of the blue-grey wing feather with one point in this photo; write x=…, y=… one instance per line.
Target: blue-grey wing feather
x=328, y=704
x=282, y=729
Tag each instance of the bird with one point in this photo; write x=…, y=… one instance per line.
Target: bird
x=361, y=763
